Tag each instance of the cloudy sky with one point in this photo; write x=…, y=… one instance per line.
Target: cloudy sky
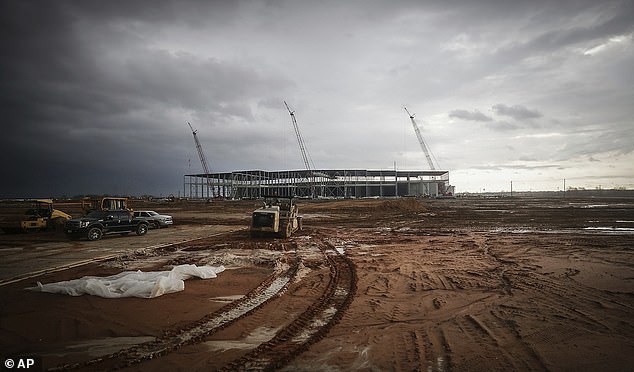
x=96, y=95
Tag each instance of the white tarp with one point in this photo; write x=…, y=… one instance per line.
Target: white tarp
x=132, y=283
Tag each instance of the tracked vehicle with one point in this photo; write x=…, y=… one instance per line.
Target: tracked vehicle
x=278, y=217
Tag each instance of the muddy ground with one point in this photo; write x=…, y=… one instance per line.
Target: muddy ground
x=381, y=285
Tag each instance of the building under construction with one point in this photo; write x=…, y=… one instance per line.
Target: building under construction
x=323, y=183
x=317, y=183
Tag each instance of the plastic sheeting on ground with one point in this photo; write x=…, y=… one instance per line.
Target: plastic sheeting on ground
x=132, y=283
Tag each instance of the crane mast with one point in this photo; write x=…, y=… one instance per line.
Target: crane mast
x=422, y=142
x=300, y=140
x=310, y=175
x=201, y=154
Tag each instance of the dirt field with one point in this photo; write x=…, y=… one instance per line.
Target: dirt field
x=382, y=285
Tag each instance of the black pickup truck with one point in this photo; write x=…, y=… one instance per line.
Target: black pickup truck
x=96, y=224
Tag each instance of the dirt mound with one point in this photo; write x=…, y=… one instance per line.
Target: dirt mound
x=401, y=205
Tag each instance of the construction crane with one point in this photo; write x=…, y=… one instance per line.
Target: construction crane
x=422, y=142
x=302, y=146
x=308, y=161
x=201, y=155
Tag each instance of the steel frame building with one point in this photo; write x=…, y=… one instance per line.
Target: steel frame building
x=322, y=183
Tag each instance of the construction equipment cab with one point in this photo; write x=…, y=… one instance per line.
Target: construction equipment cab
x=278, y=217
x=106, y=204
x=30, y=215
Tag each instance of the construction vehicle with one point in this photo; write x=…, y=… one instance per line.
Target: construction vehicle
x=105, y=204
x=278, y=217
x=31, y=215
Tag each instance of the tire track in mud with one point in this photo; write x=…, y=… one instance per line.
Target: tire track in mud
x=553, y=301
x=290, y=341
x=557, y=294
x=436, y=350
x=310, y=326
x=197, y=331
x=513, y=351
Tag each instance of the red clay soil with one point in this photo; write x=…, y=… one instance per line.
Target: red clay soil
x=438, y=285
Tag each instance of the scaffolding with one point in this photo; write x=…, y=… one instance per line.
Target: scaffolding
x=324, y=183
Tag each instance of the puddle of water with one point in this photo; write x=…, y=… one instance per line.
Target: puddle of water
x=612, y=230
x=493, y=210
x=584, y=230
x=226, y=298
x=316, y=215
x=102, y=346
x=302, y=272
x=317, y=323
x=251, y=341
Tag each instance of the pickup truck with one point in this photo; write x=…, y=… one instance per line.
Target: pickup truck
x=96, y=224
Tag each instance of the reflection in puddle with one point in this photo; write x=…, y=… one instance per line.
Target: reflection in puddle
x=251, y=341
x=584, y=231
x=101, y=346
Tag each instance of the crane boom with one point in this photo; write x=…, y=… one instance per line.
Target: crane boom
x=422, y=142
x=300, y=140
x=201, y=154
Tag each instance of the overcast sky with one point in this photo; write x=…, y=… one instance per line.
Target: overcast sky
x=96, y=95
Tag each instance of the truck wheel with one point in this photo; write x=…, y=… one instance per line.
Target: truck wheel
x=95, y=233
x=142, y=229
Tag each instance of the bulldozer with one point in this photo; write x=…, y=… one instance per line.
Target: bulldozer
x=31, y=215
x=278, y=217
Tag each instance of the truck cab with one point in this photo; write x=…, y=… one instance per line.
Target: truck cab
x=96, y=224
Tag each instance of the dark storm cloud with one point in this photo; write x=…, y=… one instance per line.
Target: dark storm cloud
x=95, y=95
x=517, y=112
x=86, y=106
x=474, y=115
